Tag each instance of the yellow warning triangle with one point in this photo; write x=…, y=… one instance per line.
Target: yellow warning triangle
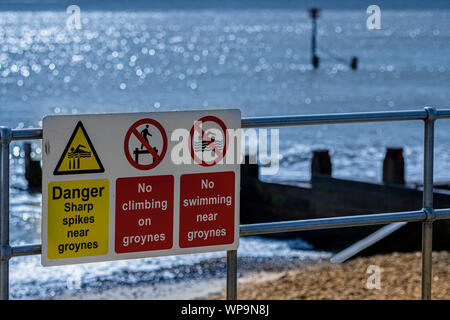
x=79, y=155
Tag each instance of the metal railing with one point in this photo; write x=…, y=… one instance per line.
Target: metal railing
x=426, y=215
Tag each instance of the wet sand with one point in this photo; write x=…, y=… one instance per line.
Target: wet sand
x=186, y=290
x=204, y=280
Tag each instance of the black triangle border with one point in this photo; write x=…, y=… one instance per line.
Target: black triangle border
x=102, y=169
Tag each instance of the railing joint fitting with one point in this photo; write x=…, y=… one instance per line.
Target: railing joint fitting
x=432, y=114
x=5, y=135
x=5, y=252
x=430, y=215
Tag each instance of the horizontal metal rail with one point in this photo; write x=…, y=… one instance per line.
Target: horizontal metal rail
x=26, y=250
x=443, y=113
x=302, y=225
x=441, y=214
x=427, y=215
x=314, y=119
x=330, y=223
x=296, y=120
x=26, y=134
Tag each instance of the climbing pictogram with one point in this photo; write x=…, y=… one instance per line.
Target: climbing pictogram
x=145, y=144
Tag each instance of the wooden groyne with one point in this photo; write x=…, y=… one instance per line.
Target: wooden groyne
x=325, y=196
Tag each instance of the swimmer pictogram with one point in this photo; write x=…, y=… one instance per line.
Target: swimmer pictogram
x=208, y=146
x=79, y=155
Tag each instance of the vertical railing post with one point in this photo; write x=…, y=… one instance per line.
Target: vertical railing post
x=427, y=225
x=5, y=249
x=232, y=275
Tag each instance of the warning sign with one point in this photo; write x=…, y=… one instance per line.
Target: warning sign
x=145, y=144
x=79, y=156
x=136, y=185
x=78, y=223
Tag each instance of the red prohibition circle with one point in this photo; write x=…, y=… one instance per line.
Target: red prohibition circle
x=191, y=135
x=135, y=132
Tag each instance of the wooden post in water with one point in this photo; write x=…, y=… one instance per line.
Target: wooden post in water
x=394, y=166
x=354, y=63
x=250, y=170
x=314, y=14
x=321, y=163
x=33, y=171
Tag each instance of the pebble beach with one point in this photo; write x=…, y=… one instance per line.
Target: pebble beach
x=400, y=278
x=293, y=279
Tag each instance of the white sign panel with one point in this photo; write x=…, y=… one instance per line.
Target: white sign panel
x=121, y=186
